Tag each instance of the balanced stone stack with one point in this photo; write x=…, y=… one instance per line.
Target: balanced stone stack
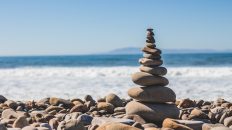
x=152, y=100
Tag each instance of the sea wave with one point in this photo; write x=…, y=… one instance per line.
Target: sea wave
x=206, y=83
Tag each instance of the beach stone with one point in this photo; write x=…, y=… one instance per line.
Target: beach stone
x=186, y=103
x=119, y=109
x=154, y=70
x=71, y=125
x=116, y=126
x=114, y=100
x=228, y=121
x=151, y=45
x=207, y=126
x=51, y=108
x=151, y=51
x=2, y=126
x=79, y=108
x=11, y=104
x=150, y=62
x=153, y=94
x=221, y=128
x=135, y=118
x=9, y=113
x=108, y=107
x=174, y=124
x=20, y=122
x=149, y=125
x=88, y=98
x=2, y=99
x=85, y=119
x=146, y=79
x=152, y=56
x=42, y=128
x=152, y=112
x=46, y=125
x=102, y=120
x=195, y=125
x=53, y=123
x=197, y=113
x=29, y=128
x=56, y=101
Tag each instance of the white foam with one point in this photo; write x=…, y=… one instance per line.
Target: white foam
x=34, y=83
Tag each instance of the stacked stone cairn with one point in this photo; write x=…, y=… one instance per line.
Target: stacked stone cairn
x=152, y=100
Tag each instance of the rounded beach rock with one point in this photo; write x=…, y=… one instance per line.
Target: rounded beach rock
x=154, y=70
x=146, y=79
x=116, y=126
x=151, y=51
x=105, y=106
x=154, y=94
x=20, y=122
x=150, y=62
x=152, y=112
x=114, y=100
x=151, y=56
x=151, y=45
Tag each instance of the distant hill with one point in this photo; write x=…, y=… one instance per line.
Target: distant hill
x=135, y=50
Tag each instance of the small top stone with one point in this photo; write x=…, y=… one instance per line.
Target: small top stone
x=149, y=29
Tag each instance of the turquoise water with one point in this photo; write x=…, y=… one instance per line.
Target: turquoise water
x=173, y=60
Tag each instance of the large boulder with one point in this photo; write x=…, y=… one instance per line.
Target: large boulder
x=146, y=79
x=152, y=112
x=153, y=94
x=154, y=70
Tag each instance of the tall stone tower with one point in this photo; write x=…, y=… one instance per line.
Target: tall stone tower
x=152, y=100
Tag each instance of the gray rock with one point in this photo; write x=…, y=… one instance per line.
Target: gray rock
x=29, y=128
x=2, y=126
x=46, y=125
x=207, y=126
x=154, y=70
x=151, y=56
x=103, y=120
x=20, y=122
x=151, y=51
x=114, y=100
x=146, y=79
x=71, y=125
x=2, y=99
x=153, y=94
x=150, y=62
x=152, y=112
x=85, y=119
x=221, y=128
x=228, y=121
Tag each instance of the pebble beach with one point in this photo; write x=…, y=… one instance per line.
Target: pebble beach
x=151, y=104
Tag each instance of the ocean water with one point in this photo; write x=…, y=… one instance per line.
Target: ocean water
x=195, y=76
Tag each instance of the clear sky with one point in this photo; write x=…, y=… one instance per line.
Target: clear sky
x=45, y=27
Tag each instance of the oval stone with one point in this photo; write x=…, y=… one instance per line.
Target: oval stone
x=154, y=71
x=151, y=51
x=152, y=112
x=151, y=45
x=151, y=56
x=146, y=79
x=153, y=94
x=150, y=62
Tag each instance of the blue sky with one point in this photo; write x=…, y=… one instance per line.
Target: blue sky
x=46, y=27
